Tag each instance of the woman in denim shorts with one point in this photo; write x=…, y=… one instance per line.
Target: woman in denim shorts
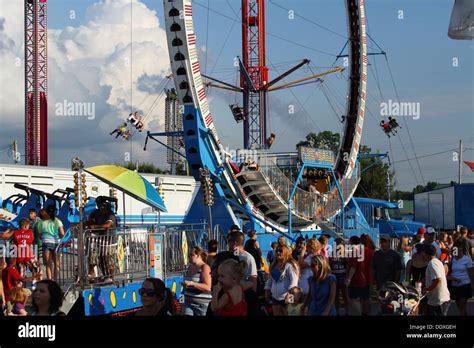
x=51, y=231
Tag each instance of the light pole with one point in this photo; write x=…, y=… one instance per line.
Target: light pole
x=77, y=165
x=388, y=185
x=460, y=163
x=208, y=193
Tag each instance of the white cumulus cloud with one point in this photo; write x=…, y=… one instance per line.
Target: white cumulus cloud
x=100, y=61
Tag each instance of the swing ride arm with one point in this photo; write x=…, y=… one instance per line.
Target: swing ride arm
x=289, y=84
x=285, y=74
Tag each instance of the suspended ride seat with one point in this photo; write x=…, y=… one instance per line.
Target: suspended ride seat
x=386, y=127
x=237, y=112
x=136, y=120
x=393, y=123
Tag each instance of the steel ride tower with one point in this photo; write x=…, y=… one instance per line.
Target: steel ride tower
x=254, y=73
x=36, y=83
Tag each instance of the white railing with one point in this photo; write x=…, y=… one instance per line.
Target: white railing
x=305, y=204
x=334, y=203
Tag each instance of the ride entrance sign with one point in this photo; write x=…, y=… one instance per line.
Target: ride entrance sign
x=316, y=157
x=156, y=253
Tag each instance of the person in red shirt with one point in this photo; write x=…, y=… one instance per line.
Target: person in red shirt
x=232, y=303
x=356, y=280
x=10, y=277
x=443, y=245
x=23, y=240
x=369, y=250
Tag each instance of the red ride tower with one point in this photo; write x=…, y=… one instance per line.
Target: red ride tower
x=253, y=56
x=36, y=83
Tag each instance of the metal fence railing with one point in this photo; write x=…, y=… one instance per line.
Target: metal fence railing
x=221, y=238
x=69, y=260
x=116, y=255
x=333, y=205
x=178, y=240
x=305, y=204
x=124, y=254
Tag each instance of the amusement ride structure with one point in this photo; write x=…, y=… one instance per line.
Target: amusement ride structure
x=36, y=82
x=249, y=189
x=259, y=193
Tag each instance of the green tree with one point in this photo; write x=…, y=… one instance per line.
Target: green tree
x=181, y=168
x=144, y=167
x=405, y=195
x=430, y=185
x=373, y=182
x=323, y=140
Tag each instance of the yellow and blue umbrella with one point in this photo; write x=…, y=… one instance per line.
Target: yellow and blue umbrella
x=129, y=182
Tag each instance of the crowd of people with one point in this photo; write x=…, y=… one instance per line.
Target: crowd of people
x=310, y=277
x=31, y=266
x=32, y=248
x=314, y=279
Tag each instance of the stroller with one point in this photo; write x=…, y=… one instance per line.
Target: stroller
x=398, y=299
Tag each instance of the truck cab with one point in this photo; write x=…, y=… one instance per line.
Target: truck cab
x=386, y=217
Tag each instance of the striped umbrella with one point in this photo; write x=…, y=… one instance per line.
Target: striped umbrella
x=129, y=182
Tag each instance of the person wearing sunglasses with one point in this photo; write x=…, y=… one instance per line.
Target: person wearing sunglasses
x=284, y=275
x=156, y=299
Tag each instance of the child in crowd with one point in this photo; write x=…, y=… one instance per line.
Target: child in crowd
x=18, y=299
x=23, y=241
x=322, y=288
x=232, y=303
x=295, y=302
x=10, y=277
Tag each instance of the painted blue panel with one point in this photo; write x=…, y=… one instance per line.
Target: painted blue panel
x=376, y=202
x=464, y=205
x=113, y=299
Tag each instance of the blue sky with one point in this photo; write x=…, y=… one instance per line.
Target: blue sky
x=420, y=55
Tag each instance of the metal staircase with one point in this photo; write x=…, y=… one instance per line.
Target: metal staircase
x=269, y=189
x=265, y=184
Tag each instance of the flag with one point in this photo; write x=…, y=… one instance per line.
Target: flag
x=470, y=165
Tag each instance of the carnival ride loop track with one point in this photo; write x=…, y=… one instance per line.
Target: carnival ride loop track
x=204, y=149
